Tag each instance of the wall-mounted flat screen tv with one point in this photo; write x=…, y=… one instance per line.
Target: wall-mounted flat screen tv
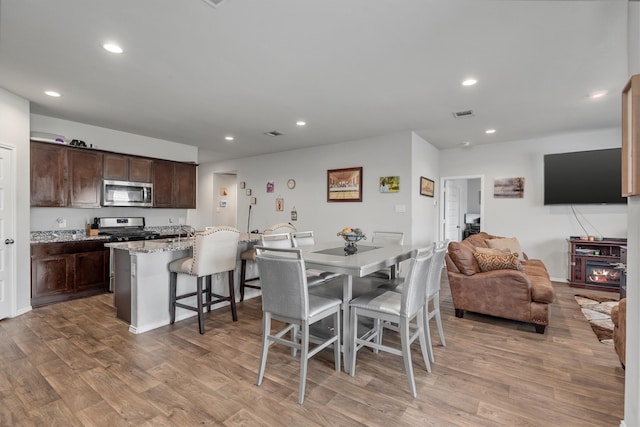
x=584, y=177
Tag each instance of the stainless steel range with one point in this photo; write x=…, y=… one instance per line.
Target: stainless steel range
x=123, y=229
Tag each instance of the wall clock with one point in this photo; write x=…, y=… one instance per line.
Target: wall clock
x=291, y=184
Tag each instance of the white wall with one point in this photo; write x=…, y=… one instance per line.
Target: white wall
x=387, y=155
x=43, y=219
x=226, y=215
x=542, y=230
x=424, y=210
x=14, y=133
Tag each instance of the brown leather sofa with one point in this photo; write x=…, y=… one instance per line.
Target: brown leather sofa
x=619, y=319
x=509, y=293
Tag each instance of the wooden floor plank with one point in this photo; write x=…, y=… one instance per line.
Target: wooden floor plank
x=75, y=363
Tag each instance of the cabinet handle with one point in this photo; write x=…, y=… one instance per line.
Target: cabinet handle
x=9, y=241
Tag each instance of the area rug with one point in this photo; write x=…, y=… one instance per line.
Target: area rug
x=597, y=310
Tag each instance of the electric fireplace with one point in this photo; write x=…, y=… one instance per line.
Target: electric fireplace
x=602, y=273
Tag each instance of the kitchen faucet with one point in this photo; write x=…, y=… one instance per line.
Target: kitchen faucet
x=191, y=232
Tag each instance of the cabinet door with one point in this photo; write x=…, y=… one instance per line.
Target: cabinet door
x=51, y=276
x=140, y=169
x=85, y=178
x=185, y=186
x=92, y=270
x=48, y=175
x=163, y=184
x=116, y=166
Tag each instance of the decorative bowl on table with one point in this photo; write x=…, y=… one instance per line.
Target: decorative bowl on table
x=351, y=236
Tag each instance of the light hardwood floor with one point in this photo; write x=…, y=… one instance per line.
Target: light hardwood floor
x=74, y=364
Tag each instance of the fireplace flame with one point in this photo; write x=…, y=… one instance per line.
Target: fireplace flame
x=602, y=275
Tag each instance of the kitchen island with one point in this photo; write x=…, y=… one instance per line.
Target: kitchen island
x=140, y=274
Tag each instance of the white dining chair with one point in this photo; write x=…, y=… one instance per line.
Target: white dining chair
x=386, y=238
x=384, y=305
x=285, y=297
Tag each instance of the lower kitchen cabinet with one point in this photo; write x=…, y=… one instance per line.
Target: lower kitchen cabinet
x=64, y=271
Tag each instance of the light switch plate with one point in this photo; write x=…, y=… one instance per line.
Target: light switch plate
x=401, y=208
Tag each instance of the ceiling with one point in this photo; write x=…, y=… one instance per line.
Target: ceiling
x=193, y=73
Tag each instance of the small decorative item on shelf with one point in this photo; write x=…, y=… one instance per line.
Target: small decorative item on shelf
x=351, y=237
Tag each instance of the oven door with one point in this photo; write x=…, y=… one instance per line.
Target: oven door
x=125, y=193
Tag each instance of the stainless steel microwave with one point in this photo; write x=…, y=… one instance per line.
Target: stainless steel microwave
x=126, y=193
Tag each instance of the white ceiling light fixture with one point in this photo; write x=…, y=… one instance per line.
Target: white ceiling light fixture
x=301, y=123
x=490, y=131
x=465, y=144
x=229, y=138
x=598, y=94
x=214, y=3
x=52, y=93
x=112, y=47
x=469, y=82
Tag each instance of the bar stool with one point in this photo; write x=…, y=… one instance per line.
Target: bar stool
x=214, y=251
x=250, y=255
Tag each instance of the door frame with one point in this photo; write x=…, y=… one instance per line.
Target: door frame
x=11, y=230
x=443, y=180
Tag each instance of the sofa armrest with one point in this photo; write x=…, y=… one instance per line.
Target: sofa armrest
x=509, y=284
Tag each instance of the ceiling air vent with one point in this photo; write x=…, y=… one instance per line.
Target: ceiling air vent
x=274, y=133
x=462, y=114
x=214, y=3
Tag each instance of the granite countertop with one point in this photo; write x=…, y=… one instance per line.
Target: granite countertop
x=153, y=246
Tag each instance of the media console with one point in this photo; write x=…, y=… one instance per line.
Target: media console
x=593, y=263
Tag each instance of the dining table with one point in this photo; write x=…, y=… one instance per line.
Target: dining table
x=368, y=259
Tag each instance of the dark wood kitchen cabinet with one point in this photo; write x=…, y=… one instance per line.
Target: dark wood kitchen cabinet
x=85, y=178
x=48, y=174
x=127, y=168
x=63, y=271
x=174, y=185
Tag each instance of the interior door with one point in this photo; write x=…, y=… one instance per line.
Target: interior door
x=452, y=229
x=7, y=229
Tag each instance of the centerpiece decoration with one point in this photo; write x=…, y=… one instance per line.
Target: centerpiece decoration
x=351, y=236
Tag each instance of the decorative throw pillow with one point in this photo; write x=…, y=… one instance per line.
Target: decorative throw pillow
x=492, y=251
x=497, y=262
x=510, y=243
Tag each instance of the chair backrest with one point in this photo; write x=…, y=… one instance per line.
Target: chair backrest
x=435, y=272
x=215, y=251
x=277, y=240
x=284, y=282
x=414, y=289
x=281, y=227
x=386, y=238
x=303, y=238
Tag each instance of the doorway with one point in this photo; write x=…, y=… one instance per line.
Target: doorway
x=462, y=206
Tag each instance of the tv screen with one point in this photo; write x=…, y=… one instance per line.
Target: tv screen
x=584, y=177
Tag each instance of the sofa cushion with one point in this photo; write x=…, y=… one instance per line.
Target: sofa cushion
x=478, y=240
x=461, y=253
x=510, y=243
x=488, y=262
x=491, y=251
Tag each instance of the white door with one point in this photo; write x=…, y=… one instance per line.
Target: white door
x=452, y=211
x=7, y=229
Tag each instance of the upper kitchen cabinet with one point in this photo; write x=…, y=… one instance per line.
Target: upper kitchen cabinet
x=85, y=178
x=174, y=185
x=127, y=168
x=48, y=174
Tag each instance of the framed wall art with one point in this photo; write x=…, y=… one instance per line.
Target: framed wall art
x=389, y=184
x=426, y=186
x=344, y=185
x=508, y=188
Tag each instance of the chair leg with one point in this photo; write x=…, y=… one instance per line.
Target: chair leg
x=208, y=291
x=379, y=328
x=199, y=290
x=232, y=297
x=427, y=317
x=353, y=327
x=425, y=338
x=337, y=350
x=436, y=311
x=173, y=278
x=406, y=354
x=304, y=359
x=243, y=276
x=294, y=334
x=266, y=331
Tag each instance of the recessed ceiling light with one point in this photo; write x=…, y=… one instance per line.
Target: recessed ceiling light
x=490, y=131
x=112, y=47
x=598, y=94
x=301, y=123
x=465, y=143
x=229, y=138
x=469, y=82
x=52, y=93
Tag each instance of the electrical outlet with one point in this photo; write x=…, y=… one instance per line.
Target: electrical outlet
x=170, y=220
x=62, y=223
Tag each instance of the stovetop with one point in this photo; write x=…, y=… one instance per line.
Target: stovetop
x=123, y=229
